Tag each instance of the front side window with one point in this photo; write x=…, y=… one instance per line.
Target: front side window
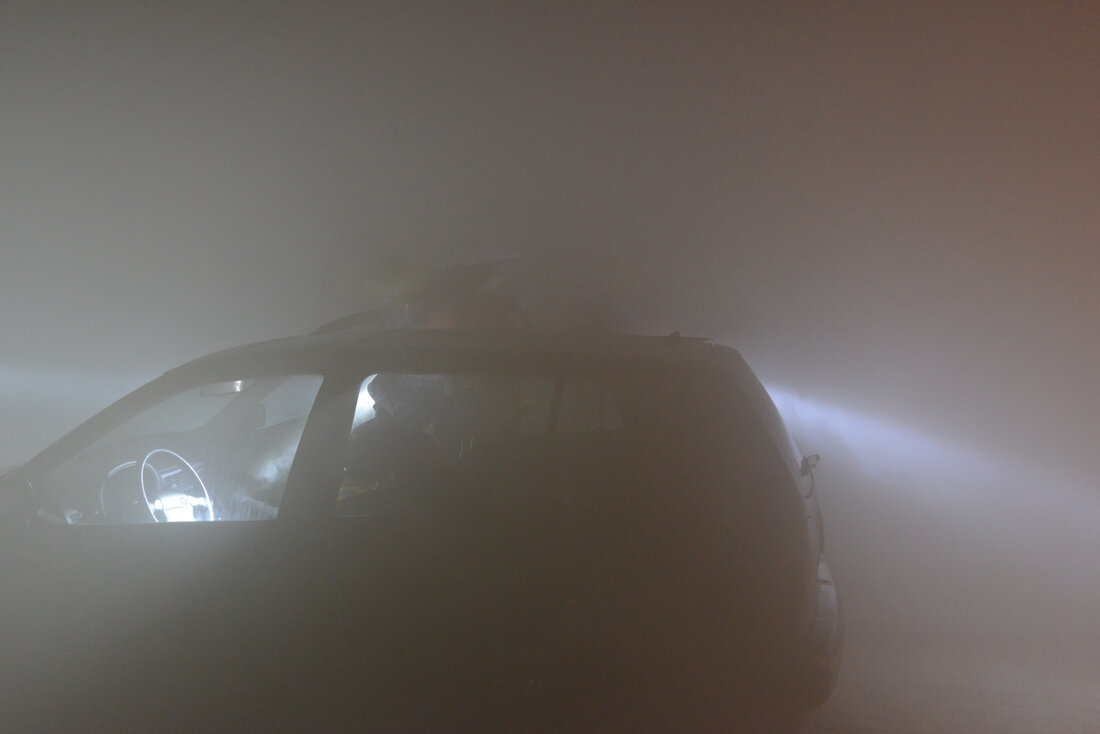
x=216, y=452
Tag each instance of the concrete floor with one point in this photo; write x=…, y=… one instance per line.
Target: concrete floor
x=891, y=686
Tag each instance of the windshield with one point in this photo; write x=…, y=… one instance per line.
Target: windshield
x=219, y=451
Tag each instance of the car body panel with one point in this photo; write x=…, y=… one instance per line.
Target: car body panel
x=535, y=611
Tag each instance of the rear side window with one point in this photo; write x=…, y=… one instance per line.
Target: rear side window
x=411, y=430
x=216, y=452
x=662, y=430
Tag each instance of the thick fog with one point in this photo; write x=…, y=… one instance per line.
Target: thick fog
x=891, y=209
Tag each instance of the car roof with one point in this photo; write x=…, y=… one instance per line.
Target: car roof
x=353, y=343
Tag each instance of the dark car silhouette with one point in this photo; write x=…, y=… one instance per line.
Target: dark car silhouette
x=421, y=530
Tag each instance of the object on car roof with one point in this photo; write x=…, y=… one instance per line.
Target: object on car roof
x=460, y=297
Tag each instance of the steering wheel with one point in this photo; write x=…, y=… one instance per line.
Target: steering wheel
x=172, y=489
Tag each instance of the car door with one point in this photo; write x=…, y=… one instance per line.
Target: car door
x=443, y=533
x=157, y=576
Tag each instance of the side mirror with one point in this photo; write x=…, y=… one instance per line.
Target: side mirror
x=809, y=462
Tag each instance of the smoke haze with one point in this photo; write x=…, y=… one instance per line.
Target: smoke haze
x=891, y=209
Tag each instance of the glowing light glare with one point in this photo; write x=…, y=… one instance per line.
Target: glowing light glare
x=179, y=507
x=900, y=459
x=176, y=506
x=1037, y=520
x=870, y=432
x=364, y=406
x=270, y=471
x=889, y=451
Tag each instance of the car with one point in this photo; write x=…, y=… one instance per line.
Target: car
x=422, y=530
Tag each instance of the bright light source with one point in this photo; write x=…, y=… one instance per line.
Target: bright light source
x=364, y=406
x=179, y=507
